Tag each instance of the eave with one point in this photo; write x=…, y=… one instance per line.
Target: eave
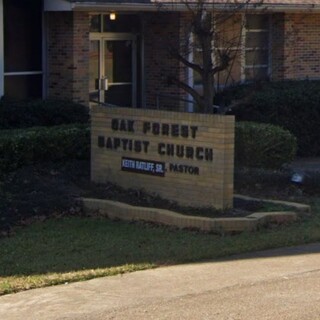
x=173, y=6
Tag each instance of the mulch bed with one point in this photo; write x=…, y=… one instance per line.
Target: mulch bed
x=52, y=189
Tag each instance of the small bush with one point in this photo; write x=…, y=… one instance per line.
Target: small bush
x=25, y=114
x=311, y=183
x=293, y=105
x=28, y=146
x=263, y=146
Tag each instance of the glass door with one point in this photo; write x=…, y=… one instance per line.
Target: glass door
x=113, y=70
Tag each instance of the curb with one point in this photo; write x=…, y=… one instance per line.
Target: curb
x=297, y=206
x=116, y=210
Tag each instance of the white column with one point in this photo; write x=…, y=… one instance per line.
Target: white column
x=1, y=51
x=189, y=72
x=44, y=57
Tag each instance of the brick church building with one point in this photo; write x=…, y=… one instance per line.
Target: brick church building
x=116, y=51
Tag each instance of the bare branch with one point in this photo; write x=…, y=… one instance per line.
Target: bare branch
x=196, y=96
x=215, y=40
x=176, y=55
x=224, y=58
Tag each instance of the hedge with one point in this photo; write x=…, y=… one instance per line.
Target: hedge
x=256, y=145
x=28, y=146
x=263, y=145
x=24, y=114
x=293, y=105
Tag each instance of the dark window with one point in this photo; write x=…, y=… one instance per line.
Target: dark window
x=122, y=23
x=257, y=22
x=22, y=43
x=23, y=87
x=95, y=23
x=257, y=47
x=22, y=35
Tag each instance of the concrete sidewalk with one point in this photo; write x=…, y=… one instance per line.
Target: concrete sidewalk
x=306, y=164
x=275, y=284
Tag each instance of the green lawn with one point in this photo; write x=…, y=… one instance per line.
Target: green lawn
x=75, y=248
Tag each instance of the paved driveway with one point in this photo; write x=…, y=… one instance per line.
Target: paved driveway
x=276, y=284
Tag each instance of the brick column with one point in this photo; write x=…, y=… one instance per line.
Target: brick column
x=68, y=56
x=161, y=30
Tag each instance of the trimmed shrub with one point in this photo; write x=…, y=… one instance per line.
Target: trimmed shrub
x=28, y=146
x=263, y=145
x=293, y=105
x=25, y=114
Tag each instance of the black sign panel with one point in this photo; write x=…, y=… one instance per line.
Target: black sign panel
x=154, y=168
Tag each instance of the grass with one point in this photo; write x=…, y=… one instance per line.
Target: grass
x=79, y=248
x=272, y=207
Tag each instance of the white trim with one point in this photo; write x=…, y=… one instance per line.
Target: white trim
x=134, y=72
x=1, y=51
x=270, y=47
x=243, y=49
x=111, y=36
x=142, y=66
x=190, y=75
x=57, y=5
x=44, y=57
x=256, y=66
x=22, y=73
x=102, y=37
x=257, y=48
x=258, y=30
x=181, y=7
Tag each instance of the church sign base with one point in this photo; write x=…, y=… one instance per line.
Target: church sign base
x=183, y=157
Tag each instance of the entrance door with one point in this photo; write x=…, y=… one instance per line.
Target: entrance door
x=113, y=70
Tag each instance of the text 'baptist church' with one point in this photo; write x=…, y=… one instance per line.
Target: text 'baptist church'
x=156, y=129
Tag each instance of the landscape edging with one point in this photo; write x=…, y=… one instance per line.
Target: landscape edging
x=122, y=211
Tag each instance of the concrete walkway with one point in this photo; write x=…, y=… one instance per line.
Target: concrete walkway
x=306, y=164
x=276, y=284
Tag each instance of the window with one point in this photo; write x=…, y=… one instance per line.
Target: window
x=122, y=23
x=247, y=39
x=22, y=49
x=256, y=56
x=230, y=40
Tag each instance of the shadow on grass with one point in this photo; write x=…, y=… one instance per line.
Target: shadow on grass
x=75, y=244
x=71, y=244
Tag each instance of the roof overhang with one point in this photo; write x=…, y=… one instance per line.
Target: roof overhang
x=57, y=5
x=175, y=5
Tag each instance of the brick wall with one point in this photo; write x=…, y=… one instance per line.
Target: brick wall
x=295, y=42
x=192, y=176
x=161, y=31
x=68, y=56
x=301, y=46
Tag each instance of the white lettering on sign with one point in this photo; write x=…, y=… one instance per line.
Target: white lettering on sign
x=155, y=168
x=126, y=163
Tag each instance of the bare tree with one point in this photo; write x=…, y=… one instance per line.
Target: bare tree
x=210, y=48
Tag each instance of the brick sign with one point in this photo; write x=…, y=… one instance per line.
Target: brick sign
x=183, y=157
